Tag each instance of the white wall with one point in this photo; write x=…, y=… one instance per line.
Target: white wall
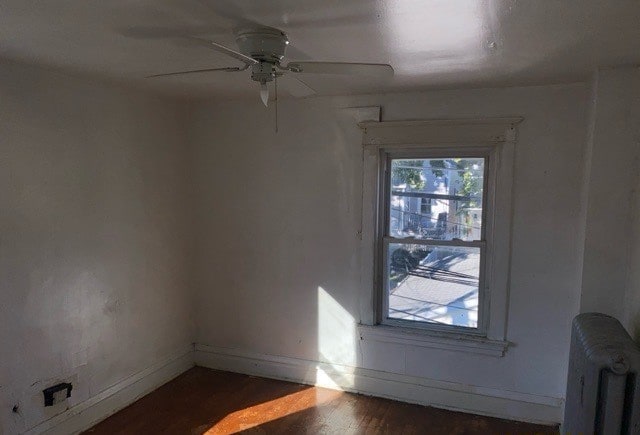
x=95, y=238
x=100, y=248
x=278, y=253
x=609, y=279
x=611, y=276
x=632, y=291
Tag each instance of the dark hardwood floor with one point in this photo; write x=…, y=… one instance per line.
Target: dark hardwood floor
x=204, y=401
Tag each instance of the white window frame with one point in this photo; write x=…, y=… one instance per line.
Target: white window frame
x=492, y=138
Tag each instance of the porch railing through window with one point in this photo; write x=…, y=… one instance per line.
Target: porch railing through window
x=462, y=222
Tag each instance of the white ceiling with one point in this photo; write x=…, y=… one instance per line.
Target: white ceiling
x=430, y=43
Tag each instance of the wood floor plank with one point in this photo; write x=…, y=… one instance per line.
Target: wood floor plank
x=203, y=401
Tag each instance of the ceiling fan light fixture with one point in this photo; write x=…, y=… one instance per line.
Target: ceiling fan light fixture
x=264, y=93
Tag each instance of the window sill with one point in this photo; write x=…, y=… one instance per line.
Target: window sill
x=439, y=340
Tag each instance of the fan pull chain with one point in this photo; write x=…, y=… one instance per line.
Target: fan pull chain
x=275, y=81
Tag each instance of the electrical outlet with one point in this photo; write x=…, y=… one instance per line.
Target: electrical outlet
x=57, y=394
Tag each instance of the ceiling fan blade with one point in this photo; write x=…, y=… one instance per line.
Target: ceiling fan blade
x=294, y=52
x=294, y=86
x=222, y=49
x=196, y=71
x=154, y=32
x=364, y=69
x=185, y=34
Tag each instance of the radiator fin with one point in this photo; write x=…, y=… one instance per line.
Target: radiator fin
x=602, y=392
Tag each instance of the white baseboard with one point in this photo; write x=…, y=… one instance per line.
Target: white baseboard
x=448, y=395
x=86, y=414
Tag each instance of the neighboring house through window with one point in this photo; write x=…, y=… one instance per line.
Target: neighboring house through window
x=432, y=256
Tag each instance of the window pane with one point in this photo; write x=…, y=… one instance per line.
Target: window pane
x=434, y=284
x=438, y=199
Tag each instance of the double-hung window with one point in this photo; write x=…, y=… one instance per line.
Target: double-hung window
x=432, y=259
x=436, y=232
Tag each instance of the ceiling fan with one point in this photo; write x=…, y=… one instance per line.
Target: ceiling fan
x=262, y=50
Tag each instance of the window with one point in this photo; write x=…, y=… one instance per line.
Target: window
x=432, y=257
x=425, y=206
x=436, y=232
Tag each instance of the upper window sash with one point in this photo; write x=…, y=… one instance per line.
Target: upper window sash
x=386, y=187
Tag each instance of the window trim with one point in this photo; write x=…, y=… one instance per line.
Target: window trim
x=492, y=137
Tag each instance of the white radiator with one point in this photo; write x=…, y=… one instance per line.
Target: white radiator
x=603, y=392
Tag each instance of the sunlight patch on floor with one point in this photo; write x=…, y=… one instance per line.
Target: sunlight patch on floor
x=272, y=410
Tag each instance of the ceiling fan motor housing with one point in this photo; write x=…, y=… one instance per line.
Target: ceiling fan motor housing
x=263, y=44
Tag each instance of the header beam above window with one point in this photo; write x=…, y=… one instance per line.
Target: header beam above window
x=489, y=130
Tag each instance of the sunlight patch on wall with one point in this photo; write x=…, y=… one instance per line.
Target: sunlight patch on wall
x=336, y=331
x=324, y=380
